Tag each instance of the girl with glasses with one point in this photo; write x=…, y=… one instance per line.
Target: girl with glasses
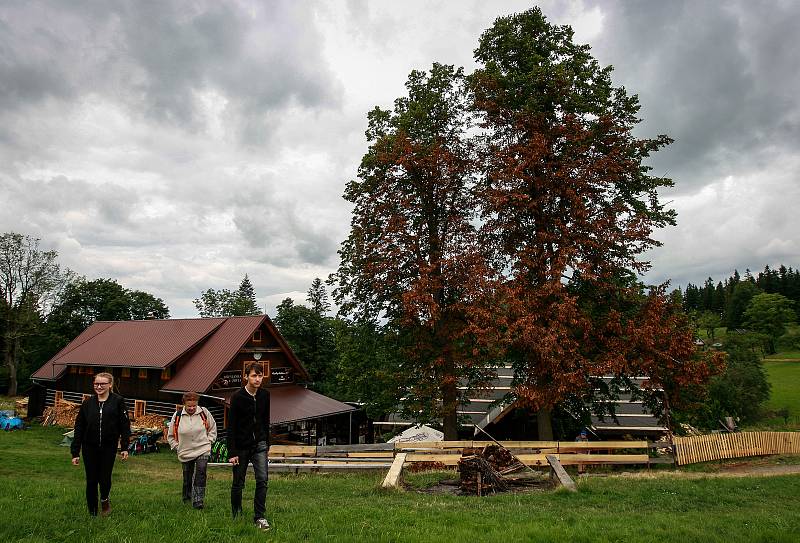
x=102, y=423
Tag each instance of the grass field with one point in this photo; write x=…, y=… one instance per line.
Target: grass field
x=41, y=499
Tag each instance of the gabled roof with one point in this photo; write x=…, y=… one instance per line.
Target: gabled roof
x=133, y=344
x=214, y=355
x=210, y=345
x=293, y=403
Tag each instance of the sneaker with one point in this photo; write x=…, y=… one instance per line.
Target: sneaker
x=105, y=508
x=262, y=524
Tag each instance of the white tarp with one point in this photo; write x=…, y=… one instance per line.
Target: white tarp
x=416, y=434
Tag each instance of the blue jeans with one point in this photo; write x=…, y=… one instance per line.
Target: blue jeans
x=258, y=456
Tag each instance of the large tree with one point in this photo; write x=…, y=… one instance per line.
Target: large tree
x=769, y=314
x=568, y=201
x=30, y=280
x=312, y=336
x=413, y=258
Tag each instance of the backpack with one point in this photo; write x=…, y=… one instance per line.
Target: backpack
x=178, y=421
x=219, y=451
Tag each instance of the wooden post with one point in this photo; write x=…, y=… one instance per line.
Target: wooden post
x=393, y=477
x=560, y=475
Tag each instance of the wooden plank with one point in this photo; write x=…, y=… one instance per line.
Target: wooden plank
x=290, y=466
x=571, y=459
x=392, y=478
x=374, y=454
x=583, y=445
x=293, y=450
x=559, y=474
x=333, y=449
x=336, y=459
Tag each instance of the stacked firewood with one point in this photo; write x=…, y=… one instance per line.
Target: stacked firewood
x=492, y=469
x=155, y=422
x=63, y=413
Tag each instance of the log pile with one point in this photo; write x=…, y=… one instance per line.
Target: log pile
x=492, y=469
x=63, y=413
x=21, y=407
x=155, y=422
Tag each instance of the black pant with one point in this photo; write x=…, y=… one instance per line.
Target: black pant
x=98, y=463
x=258, y=456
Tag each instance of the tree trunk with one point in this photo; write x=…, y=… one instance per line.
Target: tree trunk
x=450, y=417
x=545, y=424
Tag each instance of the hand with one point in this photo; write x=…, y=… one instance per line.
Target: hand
x=124, y=455
x=234, y=460
x=75, y=461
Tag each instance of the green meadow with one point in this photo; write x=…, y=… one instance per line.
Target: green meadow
x=41, y=499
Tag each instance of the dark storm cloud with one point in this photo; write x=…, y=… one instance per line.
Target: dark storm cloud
x=157, y=57
x=719, y=77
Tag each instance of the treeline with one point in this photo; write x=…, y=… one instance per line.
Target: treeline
x=729, y=299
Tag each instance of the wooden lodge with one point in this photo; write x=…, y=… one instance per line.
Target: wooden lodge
x=155, y=361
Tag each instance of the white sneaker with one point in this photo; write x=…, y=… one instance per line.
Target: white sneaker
x=262, y=524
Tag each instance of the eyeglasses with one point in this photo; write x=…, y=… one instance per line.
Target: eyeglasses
x=101, y=384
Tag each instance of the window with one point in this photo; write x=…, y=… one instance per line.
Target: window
x=166, y=374
x=73, y=369
x=126, y=372
x=142, y=373
x=257, y=336
x=139, y=407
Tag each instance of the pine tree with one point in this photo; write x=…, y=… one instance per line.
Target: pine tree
x=247, y=304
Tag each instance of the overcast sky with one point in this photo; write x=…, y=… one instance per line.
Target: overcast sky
x=176, y=146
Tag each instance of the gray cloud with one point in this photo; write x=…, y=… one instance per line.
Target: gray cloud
x=720, y=78
x=158, y=57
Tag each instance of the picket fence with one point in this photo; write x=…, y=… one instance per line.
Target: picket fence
x=690, y=450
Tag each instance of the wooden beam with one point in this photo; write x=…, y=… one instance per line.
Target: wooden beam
x=392, y=479
x=559, y=474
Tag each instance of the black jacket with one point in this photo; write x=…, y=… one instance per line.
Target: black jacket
x=248, y=420
x=88, y=430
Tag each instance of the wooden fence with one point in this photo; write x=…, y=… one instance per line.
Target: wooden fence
x=690, y=450
x=448, y=453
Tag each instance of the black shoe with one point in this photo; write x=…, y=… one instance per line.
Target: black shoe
x=197, y=505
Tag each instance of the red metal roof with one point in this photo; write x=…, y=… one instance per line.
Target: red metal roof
x=213, y=356
x=292, y=403
x=134, y=344
x=159, y=343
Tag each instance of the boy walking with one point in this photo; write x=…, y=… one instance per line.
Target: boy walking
x=248, y=441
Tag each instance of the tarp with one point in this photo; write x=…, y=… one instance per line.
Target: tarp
x=416, y=434
x=11, y=423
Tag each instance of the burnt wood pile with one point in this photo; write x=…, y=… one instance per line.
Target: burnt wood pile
x=493, y=469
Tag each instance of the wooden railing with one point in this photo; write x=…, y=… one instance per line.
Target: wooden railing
x=690, y=450
x=448, y=453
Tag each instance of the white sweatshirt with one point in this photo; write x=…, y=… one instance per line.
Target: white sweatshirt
x=193, y=439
